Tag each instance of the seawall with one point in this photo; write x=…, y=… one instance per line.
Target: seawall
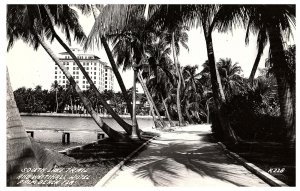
x=81, y=115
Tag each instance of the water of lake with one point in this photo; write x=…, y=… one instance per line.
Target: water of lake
x=82, y=130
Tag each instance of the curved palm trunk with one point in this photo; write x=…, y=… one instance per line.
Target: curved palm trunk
x=114, y=67
x=167, y=111
x=286, y=89
x=256, y=62
x=86, y=102
x=180, y=118
x=150, y=100
x=120, y=121
x=117, y=74
x=19, y=150
x=218, y=93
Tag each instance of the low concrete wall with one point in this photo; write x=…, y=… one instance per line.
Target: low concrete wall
x=81, y=115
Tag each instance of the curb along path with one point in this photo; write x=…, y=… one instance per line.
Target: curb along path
x=184, y=157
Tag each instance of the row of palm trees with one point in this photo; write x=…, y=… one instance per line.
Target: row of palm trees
x=132, y=28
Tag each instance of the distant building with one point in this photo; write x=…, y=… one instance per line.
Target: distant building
x=99, y=71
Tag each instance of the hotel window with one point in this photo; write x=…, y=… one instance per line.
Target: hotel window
x=55, y=68
x=95, y=68
x=55, y=77
x=83, y=77
x=87, y=86
x=77, y=77
x=94, y=82
x=73, y=72
x=94, y=73
x=67, y=68
x=63, y=77
x=83, y=82
x=84, y=64
x=87, y=68
x=83, y=86
x=73, y=68
x=77, y=68
x=77, y=72
x=59, y=76
x=95, y=64
x=63, y=81
x=55, y=72
x=87, y=64
x=76, y=81
x=95, y=77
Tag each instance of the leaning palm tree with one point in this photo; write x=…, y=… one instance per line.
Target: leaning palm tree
x=111, y=20
x=68, y=21
x=28, y=23
x=277, y=21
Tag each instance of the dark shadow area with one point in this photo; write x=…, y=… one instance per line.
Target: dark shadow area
x=161, y=163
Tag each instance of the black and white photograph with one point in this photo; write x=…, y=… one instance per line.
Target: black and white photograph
x=149, y=94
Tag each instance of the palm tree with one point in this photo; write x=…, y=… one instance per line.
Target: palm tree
x=111, y=20
x=277, y=21
x=160, y=70
x=232, y=82
x=176, y=35
x=261, y=43
x=55, y=86
x=31, y=32
x=86, y=9
x=20, y=153
x=130, y=47
x=75, y=27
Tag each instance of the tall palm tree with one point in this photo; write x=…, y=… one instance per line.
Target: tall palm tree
x=27, y=22
x=130, y=48
x=86, y=9
x=55, y=11
x=278, y=21
x=111, y=20
x=19, y=150
x=261, y=43
x=55, y=86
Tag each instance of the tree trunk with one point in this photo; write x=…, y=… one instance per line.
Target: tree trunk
x=117, y=74
x=285, y=85
x=86, y=102
x=167, y=111
x=56, y=100
x=114, y=66
x=256, y=62
x=218, y=93
x=71, y=102
x=150, y=100
x=188, y=114
x=135, y=131
x=19, y=150
x=180, y=118
x=119, y=120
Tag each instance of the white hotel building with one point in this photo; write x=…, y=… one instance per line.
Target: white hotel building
x=99, y=72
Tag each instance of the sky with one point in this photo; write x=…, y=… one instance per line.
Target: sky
x=30, y=68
